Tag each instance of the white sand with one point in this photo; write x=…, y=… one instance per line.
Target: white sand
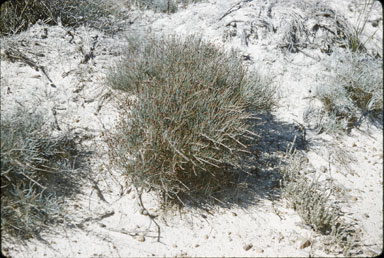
x=267, y=225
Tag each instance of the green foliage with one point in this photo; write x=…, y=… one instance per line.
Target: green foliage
x=32, y=165
x=186, y=128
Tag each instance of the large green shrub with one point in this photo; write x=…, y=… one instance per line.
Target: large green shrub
x=187, y=127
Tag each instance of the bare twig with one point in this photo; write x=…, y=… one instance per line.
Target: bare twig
x=234, y=8
x=16, y=55
x=98, y=191
x=148, y=214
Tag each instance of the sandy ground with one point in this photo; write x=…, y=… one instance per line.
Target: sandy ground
x=110, y=223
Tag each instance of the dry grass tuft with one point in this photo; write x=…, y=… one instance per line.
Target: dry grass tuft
x=187, y=129
x=352, y=92
x=34, y=168
x=313, y=201
x=18, y=15
x=307, y=196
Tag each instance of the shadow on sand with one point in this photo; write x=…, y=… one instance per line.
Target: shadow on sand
x=260, y=178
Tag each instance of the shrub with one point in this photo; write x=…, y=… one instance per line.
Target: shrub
x=307, y=196
x=312, y=200
x=353, y=91
x=187, y=128
x=34, y=165
x=17, y=15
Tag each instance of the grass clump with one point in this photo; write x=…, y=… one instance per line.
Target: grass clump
x=356, y=41
x=187, y=128
x=313, y=201
x=307, y=196
x=18, y=15
x=352, y=92
x=34, y=168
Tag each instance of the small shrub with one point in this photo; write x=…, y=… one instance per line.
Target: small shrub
x=187, y=128
x=307, y=196
x=33, y=164
x=312, y=201
x=352, y=92
x=18, y=15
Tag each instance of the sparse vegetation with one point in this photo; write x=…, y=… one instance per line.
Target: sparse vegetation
x=187, y=128
x=166, y=6
x=34, y=169
x=187, y=110
x=355, y=40
x=311, y=199
x=353, y=92
x=307, y=196
x=18, y=15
